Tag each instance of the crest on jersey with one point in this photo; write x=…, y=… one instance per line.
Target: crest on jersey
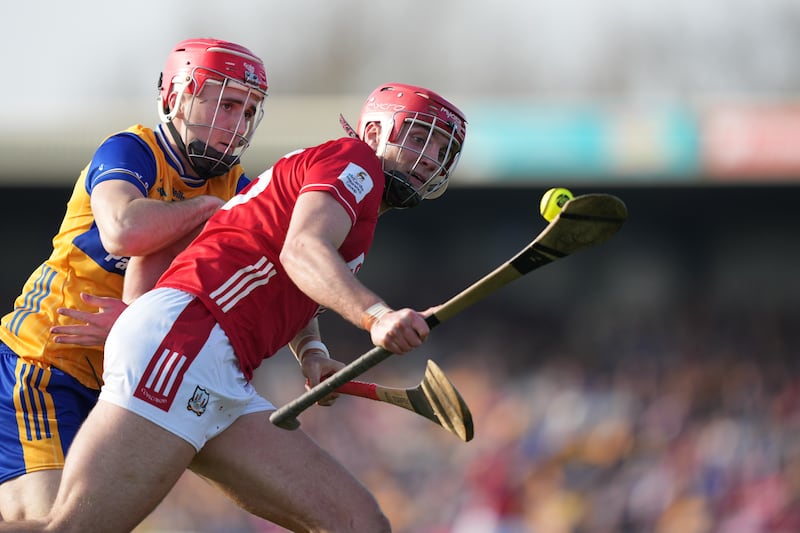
x=199, y=401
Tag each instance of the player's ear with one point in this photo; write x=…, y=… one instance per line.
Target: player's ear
x=372, y=134
x=172, y=102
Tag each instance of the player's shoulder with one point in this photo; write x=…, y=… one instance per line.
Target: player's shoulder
x=141, y=131
x=348, y=145
x=135, y=136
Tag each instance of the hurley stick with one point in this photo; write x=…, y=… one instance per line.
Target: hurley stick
x=435, y=398
x=584, y=221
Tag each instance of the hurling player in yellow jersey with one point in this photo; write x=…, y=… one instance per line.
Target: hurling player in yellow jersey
x=144, y=191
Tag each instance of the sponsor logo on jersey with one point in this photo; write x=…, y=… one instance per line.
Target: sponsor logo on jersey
x=356, y=180
x=118, y=262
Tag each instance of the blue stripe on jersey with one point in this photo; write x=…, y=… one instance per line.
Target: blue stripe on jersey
x=33, y=300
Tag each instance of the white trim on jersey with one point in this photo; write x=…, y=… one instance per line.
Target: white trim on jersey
x=242, y=283
x=333, y=190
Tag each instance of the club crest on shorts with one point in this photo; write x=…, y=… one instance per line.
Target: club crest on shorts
x=199, y=400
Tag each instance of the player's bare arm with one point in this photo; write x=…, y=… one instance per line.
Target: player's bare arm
x=143, y=271
x=141, y=275
x=131, y=224
x=310, y=256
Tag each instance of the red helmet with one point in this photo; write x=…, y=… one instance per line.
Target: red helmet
x=190, y=65
x=194, y=61
x=395, y=104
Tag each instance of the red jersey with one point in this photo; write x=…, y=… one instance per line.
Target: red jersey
x=233, y=266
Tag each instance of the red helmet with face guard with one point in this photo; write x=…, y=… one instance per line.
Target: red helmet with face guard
x=194, y=61
x=393, y=103
x=191, y=66
x=397, y=105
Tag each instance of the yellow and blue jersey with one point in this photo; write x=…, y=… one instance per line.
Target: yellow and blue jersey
x=80, y=263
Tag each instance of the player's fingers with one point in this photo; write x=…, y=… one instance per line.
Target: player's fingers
x=431, y=310
x=98, y=301
x=418, y=334
x=400, y=331
x=81, y=329
x=82, y=316
x=411, y=335
x=71, y=329
x=80, y=340
x=80, y=335
x=327, y=400
x=90, y=299
x=105, y=304
x=421, y=327
x=401, y=344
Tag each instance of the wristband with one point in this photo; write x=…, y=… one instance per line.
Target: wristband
x=373, y=314
x=312, y=345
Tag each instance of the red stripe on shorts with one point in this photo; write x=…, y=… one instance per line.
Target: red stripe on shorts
x=164, y=373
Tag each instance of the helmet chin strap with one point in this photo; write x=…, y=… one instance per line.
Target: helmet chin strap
x=208, y=162
x=195, y=153
x=398, y=193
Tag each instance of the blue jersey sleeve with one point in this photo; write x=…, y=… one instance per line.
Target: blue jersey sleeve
x=126, y=157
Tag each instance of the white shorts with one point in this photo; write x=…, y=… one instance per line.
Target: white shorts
x=167, y=359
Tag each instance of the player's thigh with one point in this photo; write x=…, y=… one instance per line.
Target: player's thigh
x=285, y=477
x=118, y=470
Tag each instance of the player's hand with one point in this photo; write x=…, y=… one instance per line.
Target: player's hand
x=95, y=324
x=317, y=367
x=400, y=331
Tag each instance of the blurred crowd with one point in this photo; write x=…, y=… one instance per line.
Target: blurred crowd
x=685, y=424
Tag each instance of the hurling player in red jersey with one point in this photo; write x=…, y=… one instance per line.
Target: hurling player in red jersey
x=179, y=359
